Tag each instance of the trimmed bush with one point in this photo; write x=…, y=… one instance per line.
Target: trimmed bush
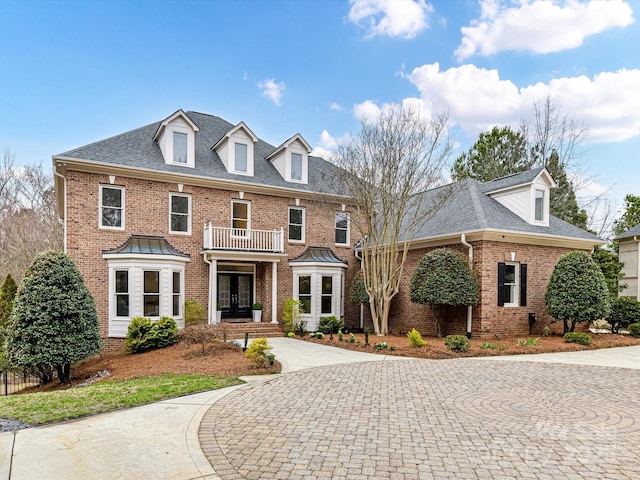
x=54, y=321
x=8, y=293
x=194, y=313
x=624, y=312
x=330, y=324
x=634, y=330
x=443, y=279
x=577, y=291
x=358, y=291
x=143, y=334
x=415, y=339
x=258, y=351
x=457, y=343
x=581, y=338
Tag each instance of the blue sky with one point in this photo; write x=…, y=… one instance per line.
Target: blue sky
x=75, y=72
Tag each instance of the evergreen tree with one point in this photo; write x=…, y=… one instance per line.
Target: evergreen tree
x=562, y=202
x=7, y=295
x=631, y=216
x=54, y=319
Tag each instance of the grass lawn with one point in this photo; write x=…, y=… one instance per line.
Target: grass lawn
x=54, y=406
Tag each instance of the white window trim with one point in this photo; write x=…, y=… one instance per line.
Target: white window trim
x=115, y=294
x=170, y=130
x=231, y=152
x=516, y=285
x=545, y=206
x=181, y=301
x=189, y=214
x=234, y=169
x=248, y=203
x=100, y=206
x=136, y=267
x=303, y=229
x=304, y=165
x=316, y=272
x=348, y=228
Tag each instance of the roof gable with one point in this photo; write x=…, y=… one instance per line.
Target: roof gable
x=297, y=137
x=241, y=126
x=177, y=114
x=632, y=232
x=518, y=180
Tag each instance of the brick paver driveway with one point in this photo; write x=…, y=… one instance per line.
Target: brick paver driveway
x=421, y=419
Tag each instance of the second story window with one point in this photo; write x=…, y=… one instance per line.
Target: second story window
x=179, y=147
x=241, y=157
x=296, y=166
x=342, y=228
x=111, y=207
x=296, y=224
x=180, y=213
x=240, y=217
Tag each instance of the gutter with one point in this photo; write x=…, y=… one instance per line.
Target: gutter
x=463, y=240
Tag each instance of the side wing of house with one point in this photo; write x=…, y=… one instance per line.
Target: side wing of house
x=629, y=253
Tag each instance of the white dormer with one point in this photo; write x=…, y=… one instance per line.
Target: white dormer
x=176, y=136
x=528, y=199
x=236, y=149
x=291, y=159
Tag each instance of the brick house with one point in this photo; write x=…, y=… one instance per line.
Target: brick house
x=629, y=251
x=193, y=207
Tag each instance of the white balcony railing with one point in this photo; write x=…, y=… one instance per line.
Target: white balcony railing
x=225, y=238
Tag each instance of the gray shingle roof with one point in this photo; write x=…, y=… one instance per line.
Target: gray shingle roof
x=509, y=181
x=468, y=209
x=137, y=148
x=632, y=232
x=146, y=245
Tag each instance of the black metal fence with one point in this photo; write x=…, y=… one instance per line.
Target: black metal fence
x=13, y=382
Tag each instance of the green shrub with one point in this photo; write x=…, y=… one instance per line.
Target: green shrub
x=581, y=338
x=291, y=334
x=415, y=339
x=319, y=335
x=143, y=334
x=54, y=321
x=352, y=338
x=358, y=291
x=258, y=350
x=194, y=313
x=624, y=312
x=330, y=324
x=300, y=328
x=290, y=314
x=490, y=346
x=340, y=335
x=528, y=342
x=457, y=343
x=634, y=330
x=8, y=293
x=577, y=291
x=441, y=280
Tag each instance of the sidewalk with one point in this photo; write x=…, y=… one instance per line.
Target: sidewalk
x=160, y=440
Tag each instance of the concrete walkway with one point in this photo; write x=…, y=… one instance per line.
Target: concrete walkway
x=161, y=440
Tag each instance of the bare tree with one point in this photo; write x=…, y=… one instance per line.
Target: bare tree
x=28, y=221
x=388, y=165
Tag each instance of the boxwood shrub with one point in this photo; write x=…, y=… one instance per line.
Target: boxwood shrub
x=457, y=343
x=143, y=334
x=581, y=338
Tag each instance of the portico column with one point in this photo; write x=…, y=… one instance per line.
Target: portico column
x=213, y=290
x=274, y=293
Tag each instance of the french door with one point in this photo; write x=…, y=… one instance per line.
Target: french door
x=235, y=294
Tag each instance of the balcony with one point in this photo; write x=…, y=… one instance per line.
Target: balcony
x=243, y=240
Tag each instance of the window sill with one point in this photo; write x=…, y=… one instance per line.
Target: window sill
x=184, y=234
x=102, y=227
x=296, y=242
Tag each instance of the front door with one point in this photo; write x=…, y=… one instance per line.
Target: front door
x=235, y=292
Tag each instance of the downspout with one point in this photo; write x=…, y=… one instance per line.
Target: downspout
x=635, y=239
x=210, y=318
x=64, y=222
x=463, y=240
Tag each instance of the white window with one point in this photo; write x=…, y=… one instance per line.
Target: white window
x=121, y=289
x=510, y=287
x=539, y=206
x=296, y=166
x=151, y=294
x=304, y=293
x=179, y=147
x=111, y=207
x=296, y=224
x=177, y=294
x=326, y=303
x=342, y=228
x=241, y=158
x=180, y=213
x=240, y=218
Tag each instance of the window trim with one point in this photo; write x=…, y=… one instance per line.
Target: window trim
x=302, y=225
x=180, y=293
x=326, y=295
x=235, y=163
x=173, y=147
x=520, y=284
x=188, y=214
x=535, y=205
x=122, y=208
x=158, y=293
x=348, y=229
x=117, y=294
x=291, y=177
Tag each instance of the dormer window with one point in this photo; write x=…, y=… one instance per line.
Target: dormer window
x=179, y=147
x=539, y=206
x=236, y=150
x=291, y=159
x=176, y=137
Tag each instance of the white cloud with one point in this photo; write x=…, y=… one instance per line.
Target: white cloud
x=477, y=99
x=272, y=90
x=329, y=144
x=335, y=106
x=539, y=26
x=398, y=18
